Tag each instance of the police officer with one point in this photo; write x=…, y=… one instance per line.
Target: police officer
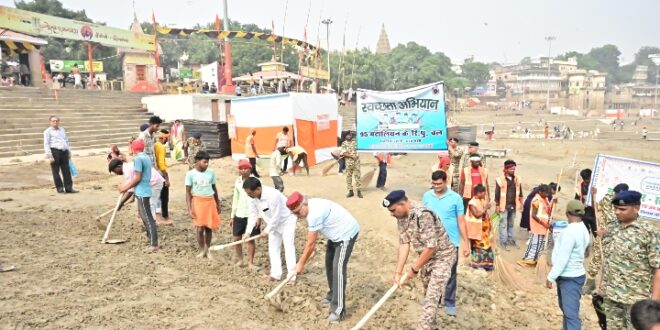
x=632, y=261
x=606, y=219
x=349, y=152
x=420, y=228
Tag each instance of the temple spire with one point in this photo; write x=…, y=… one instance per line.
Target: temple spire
x=383, y=46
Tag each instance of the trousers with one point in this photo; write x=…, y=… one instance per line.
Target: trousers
x=535, y=247
x=353, y=174
x=61, y=164
x=434, y=275
x=382, y=175
x=337, y=255
x=569, y=291
x=144, y=209
x=618, y=315
x=452, y=283
x=285, y=235
x=164, y=202
x=506, y=226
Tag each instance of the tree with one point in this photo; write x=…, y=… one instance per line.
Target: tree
x=476, y=72
x=642, y=58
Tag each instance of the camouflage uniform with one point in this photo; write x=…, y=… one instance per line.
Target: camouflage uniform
x=455, y=158
x=606, y=219
x=422, y=229
x=632, y=254
x=194, y=146
x=352, y=165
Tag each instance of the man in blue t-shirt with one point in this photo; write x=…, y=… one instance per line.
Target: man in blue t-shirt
x=448, y=205
x=142, y=183
x=341, y=229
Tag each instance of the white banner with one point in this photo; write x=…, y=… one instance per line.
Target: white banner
x=638, y=175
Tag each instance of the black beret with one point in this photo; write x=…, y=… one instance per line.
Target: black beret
x=620, y=187
x=474, y=144
x=197, y=135
x=626, y=198
x=393, y=197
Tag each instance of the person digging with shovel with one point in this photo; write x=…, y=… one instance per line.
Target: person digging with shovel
x=341, y=229
x=421, y=229
x=269, y=205
x=141, y=181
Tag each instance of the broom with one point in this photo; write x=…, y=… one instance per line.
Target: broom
x=504, y=271
x=328, y=167
x=543, y=263
x=368, y=177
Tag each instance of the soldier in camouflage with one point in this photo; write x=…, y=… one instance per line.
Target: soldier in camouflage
x=605, y=219
x=420, y=228
x=455, y=155
x=194, y=145
x=349, y=152
x=632, y=261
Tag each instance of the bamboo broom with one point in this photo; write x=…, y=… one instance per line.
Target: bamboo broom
x=543, y=263
x=504, y=271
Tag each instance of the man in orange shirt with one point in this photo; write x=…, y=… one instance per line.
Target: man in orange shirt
x=472, y=176
x=251, y=151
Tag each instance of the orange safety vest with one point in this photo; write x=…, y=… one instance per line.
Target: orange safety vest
x=474, y=224
x=467, y=173
x=384, y=155
x=503, y=183
x=543, y=214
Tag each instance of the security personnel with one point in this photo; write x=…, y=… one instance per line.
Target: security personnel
x=349, y=152
x=605, y=220
x=632, y=261
x=420, y=228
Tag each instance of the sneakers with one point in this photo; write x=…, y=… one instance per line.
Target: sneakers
x=334, y=318
x=350, y=194
x=504, y=246
x=340, y=173
x=359, y=194
x=451, y=310
x=325, y=301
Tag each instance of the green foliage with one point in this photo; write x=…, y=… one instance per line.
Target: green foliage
x=476, y=72
x=642, y=58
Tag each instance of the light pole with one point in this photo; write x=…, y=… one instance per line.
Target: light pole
x=549, y=39
x=327, y=23
x=656, y=60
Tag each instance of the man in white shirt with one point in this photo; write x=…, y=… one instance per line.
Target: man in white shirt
x=269, y=205
x=56, y=146
x=341, y=229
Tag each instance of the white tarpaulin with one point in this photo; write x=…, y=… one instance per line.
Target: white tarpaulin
x=638, y=175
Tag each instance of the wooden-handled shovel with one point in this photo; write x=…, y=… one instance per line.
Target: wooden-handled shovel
x=224, y=246
x=105, y=239
x=380, y=303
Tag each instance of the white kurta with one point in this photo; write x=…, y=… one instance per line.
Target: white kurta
x=280, y=226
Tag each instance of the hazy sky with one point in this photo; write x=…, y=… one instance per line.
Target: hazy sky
x=491, y=30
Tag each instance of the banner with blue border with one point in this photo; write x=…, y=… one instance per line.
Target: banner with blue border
x=411, y=120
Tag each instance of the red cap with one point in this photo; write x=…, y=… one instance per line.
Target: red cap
x=244, y=163
x=294, y=201
x=137, y=145
x=444, y=160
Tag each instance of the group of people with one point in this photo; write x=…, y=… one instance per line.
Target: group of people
x=453, y=219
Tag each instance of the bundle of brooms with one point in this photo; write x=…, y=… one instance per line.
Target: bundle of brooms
x=504, y=271
x=543, y=264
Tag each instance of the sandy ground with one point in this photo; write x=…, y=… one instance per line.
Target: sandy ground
x=67, y=279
